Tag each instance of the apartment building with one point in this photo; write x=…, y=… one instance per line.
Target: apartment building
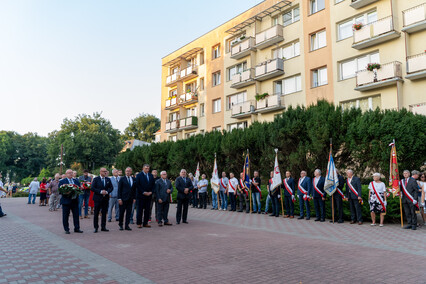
x=288, y=53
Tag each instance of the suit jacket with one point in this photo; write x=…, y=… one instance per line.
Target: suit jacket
x=125, y=190
x=356, y=184
x=320, y=186
x=412, y=188
x=98, y=186
x=143, y=185
x=290, y=183
x=114, y=183
x=306, y=184
x=180, y=185
x=161, y=190
x=67, y=200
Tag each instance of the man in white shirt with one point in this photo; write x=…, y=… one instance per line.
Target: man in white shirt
x=202, y=191
x=32, y=190
x=2, y=214
x=231, y=191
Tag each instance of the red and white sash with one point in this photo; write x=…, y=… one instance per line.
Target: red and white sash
x=256, y=186
x=340, y=193
x=230, y=184
x=352, y=188
x=305, y=193
x=243, y=187
x=378, y=196
x=316, y=188
x=221, y=182
x=408, y=195
x=289, y=190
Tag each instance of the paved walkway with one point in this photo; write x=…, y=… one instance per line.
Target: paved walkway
x=226, y=247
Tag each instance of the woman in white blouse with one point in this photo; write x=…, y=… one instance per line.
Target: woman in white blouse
x=422, y=185
x=377, y=199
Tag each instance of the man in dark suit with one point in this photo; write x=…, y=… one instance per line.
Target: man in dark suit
x=183, y=185
x=338, y=197
x=289, y=198
x=70, y=204
x=163, y=189
x=101, y=187
x=144, y=188
x=409, y=190
x=304, y=191
x=126, y=196
x=319, y=195
x=354, y=195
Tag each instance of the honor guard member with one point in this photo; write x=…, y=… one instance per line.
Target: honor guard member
x=409, y=189
x=243, y=194
x=353, y=194
x=319, y=195
x=289, y=198
x=338, y=198
x=256, y=194
x=223, y=183
x=273, y=193
x=304, y=191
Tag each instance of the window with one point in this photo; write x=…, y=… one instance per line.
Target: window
x=173, y=138
x=292, y=84
x=216, y=51
x=291, y=16
x=316, y=5
x=365, y=104
x=344, y=30
x=191, y=87
x=349, y=67
x=191, y=62
x=318, y=40
x=240, y=125
x=217, y=128
x=191, y=111
x=202, y=110
x=173, y=70
x=172, y=93
x=278, y=87
x=173, y=116
x=202, y=58
x=236, y=99
x=216, y=78
x=217, y=106
x=202, y=84
x=289, y=51
x=187, y=135
x=275, y=21
x=319, y=77
x=239, y=68
x=234, y=40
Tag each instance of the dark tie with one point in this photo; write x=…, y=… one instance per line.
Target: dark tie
x=128, y=179
x=406, y=182
x=147, y=178
x=103, y=181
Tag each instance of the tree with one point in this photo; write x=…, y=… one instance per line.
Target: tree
x=88, y=139
x=142, y=128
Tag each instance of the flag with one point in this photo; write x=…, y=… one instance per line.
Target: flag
x=393, y=171
x=246, y=171
x=276, y=179
x=215, y=177
x=331, y=179
x=197, y=172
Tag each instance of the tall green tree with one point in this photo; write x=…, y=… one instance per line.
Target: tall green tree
x=142, y=128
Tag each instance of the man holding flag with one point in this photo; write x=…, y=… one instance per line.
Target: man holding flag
x=338, y=197
x=257, y=193
x=409, y=190
x=243, y=194
x=304, y=187
x=331, y=185
x=275, y=187
x=215, y=185
x=289, y=197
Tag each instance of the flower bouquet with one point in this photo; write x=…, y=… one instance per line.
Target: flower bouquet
x=70, y=190
x=86, y=185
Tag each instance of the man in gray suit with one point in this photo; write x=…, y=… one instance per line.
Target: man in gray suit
x=163, y=189
x=113, y=200
x=409, y=190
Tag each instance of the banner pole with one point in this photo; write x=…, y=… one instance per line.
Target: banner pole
x=282, y=205
x=400, y=209
x=332, y=208
x=250, y=200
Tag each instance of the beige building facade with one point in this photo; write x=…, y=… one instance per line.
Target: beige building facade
x=288, y=53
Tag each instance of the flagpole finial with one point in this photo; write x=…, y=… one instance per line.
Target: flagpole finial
x=215, y=154
x=276, y=150
x=247, y=151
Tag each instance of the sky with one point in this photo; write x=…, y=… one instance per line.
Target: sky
x=61, y=58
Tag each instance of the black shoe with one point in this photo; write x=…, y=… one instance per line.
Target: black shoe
x=253, y=212
x=340, y=221
x=301, y=217
x=95, y=231
x=308, y=218
x=414, y=228
x=104, y=230
x=177, y=223
x=128, y=228
x=277, y=215
x=116, y=220
x=67, y=232
x=272, y=215
x=212, y=209
x=109, y=220
x=317, y=219
x=185, y=222
x=322, y=220
x=78, y=231
x=259, y=212
x=407, y=227
x=331, y=221
x=240, y=210
x=3, y=215
x=121, y=228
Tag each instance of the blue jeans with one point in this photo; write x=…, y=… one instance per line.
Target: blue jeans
x=224, y=199
x=33, y=195
x=256, y=201
x=214, y=200
x=83, y=197
x=268, y=200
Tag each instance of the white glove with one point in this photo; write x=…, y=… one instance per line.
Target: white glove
x=423, y=205
x=414, y=202
x=305, y=196
x=292, y=197
x=279, y=196
x=386, y=203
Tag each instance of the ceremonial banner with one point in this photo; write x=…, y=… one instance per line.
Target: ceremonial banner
x=215, y=177
x=276, y=179
x=393, y=171
x=197, y=172
x=331, y=179
x=246, y=171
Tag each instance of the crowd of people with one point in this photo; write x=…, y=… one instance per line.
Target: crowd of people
x=120, y=196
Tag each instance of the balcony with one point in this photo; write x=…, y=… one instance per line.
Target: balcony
x=246, y=78
x=269, y=37
x=172, y=79
x=358, y=4
x=414, y=19
x=416, y=66
x=375, y=33
x=242, y=110
x=242, y=48
x=269, y=69
x=172, y=126
x=190, y=122
x=189, y=72
x=389, y=74
x=171, y=103
x=188, y=98
x=270, y=104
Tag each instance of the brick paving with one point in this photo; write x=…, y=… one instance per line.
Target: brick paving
x=227, y=247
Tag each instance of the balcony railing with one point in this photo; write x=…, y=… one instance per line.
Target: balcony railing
x=172, y=126
x=243, y=79
x=189, y=122
x=357, y=4
x=171, y=79
x=270, y=103
x=414, y=19
x=416, y=66
x=374, y=33
x=269, y=37
x=242, y=109
x=242, y=48
x=188, y=98
x=269, y=69
x=171, y=103
x=189, y=72
x=388, y=74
